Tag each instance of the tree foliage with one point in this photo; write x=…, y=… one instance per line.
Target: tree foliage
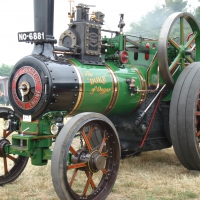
x=150, y=24
x=175, y=5
x=5, y=70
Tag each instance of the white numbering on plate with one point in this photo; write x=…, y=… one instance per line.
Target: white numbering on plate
x=31, y=36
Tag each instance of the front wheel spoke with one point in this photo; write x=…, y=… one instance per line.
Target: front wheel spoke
x=90, y=133
x=104, y=171
x=86, y=140
x=5, y=165
x=174, y=63
x=91, y=182
x=77, y=166
x=102, y=144
x=73, y=177
x=11, y=158
x=87, y=184
x=73, y=151
x=174, y=44
x=104, y=154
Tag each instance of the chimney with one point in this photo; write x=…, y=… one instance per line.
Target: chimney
x=43, y=22
x=44, y=16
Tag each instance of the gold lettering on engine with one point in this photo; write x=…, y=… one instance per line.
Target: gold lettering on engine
x=88, y=73
x=96, y=81
x=100, y=90
x=100, y=79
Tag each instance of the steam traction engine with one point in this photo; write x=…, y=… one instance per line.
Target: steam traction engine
x=124, y=94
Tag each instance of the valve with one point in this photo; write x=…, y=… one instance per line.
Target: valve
x=121, y=23
x=132, y=87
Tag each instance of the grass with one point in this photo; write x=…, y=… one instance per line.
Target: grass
x=155, y=175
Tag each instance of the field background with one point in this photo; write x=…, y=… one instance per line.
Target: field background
x=151, y=176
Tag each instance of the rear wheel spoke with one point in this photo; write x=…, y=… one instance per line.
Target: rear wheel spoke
x=198, y=113
x=174, y=44
x=191, y=40
x=189, y=59
x=182, y=31
x=198, y=133
x=174, y=63
x=198, y=104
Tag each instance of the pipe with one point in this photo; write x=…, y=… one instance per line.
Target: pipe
x=44, y=16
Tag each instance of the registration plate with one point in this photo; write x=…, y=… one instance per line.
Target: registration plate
x=31, y=36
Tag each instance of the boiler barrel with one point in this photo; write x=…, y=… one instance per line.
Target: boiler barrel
x=39, y=85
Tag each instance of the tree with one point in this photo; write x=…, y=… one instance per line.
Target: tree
x=5, y=70
x=175, y=5
x=149, y=25
x=197, y=13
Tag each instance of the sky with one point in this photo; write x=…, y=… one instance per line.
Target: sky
x=17, y=16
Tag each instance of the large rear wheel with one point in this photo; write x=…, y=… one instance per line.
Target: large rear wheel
x=185, y=117
x=86, y=158
x=173, y=47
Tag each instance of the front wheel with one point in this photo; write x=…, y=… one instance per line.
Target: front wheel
x=86, y=157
